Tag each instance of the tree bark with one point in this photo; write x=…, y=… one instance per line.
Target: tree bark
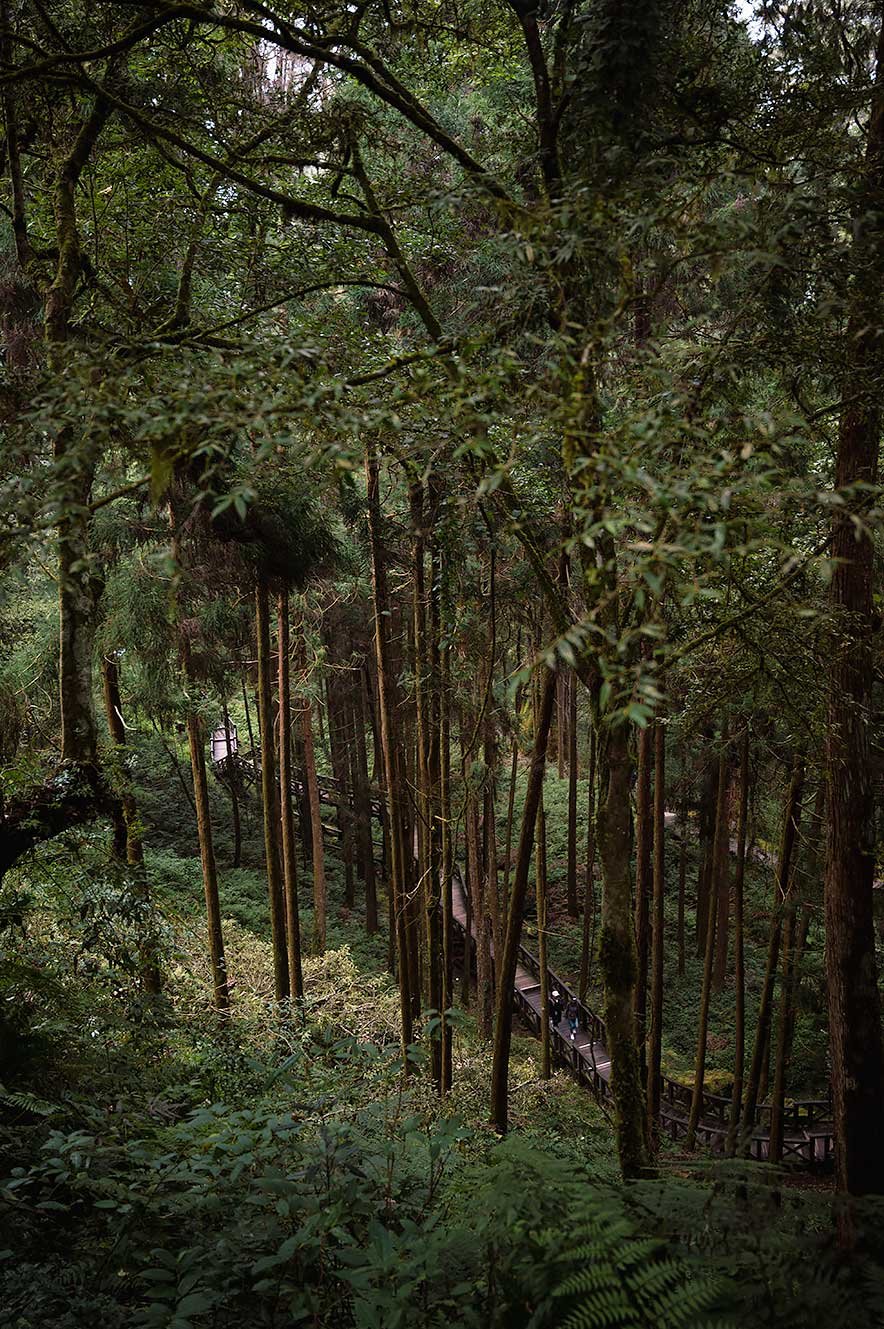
x=389, y=741
x=851, y=968
x=791, y=820
x=644, y=837
x=589, y=885
x=739, y=949
x=655, y=1031
x=618, y=961
x=719, y=854
x=289, y=843
x=133, y=848
x=573, y=909
x=269, y=793
x=515, y=912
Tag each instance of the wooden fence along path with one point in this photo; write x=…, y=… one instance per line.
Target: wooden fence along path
x=808, y=1135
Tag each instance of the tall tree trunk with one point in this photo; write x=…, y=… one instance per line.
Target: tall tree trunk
x=682, y=859
x=618, y=961
x=480, y=916
x=435, y=889
x=270, y=792
x=655, y=1031
x=704, y=863
x=589, y=885
x=507, y=968
x=573, y=909
x=739, y=949
x=644, y=838
x=317, y=848
x=289, y=843
x=851, y=968
x=791, y=820
x=234, y=786
x=133, y=848
x=722, y=893
x=446, y=847
x=389, y=740
x=781, y=1059
x=719, y=865
x=362, y=792
x=542, y=946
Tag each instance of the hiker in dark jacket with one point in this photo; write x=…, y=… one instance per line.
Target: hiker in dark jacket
x=572, y=1015
x=556, y=1006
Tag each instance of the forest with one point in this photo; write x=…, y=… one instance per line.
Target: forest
x=442, y=695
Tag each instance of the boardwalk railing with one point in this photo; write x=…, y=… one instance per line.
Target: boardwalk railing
x=808, y=1134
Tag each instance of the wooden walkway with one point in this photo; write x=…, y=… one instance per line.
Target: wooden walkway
x=808, y=1138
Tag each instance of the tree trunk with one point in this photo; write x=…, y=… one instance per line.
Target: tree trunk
x=270, y=792
x=589, y=885
x=655, y=1032
x=706, y=831
x=719, y=864
x=573, y=910
x=389, y=741
x=618, y=960
x=507, y=968
x=782, y=886
x=682, y=858
x=851, y=969
x=542, y=948
x=132, y=847
x=644, y=838
x=233, y=786
x=362, y=791
x=739, y=951
x=289, y=843
x=722, y=891
x=317, y=847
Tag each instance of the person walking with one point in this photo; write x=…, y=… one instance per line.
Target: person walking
x=572, y=1015
x=556, y=1006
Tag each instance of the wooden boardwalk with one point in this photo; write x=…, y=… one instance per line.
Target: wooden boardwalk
x=808, y=1137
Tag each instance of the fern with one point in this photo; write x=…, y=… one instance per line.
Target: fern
x=24, y=1102
x=617, y=1279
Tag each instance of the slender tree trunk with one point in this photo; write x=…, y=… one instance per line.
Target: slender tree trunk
x=542, y=946
x=655, y=1032
x=851, y=968
x=207, y=859
x=435, y=889
x=447, y=854
x=289, y=843
x=489, y=837
x=363, y=808
x=618, y=961
x=269, y=793
x=589, y=885
x=719, y=857
x=791, y=821
x=317, y=845
x=573, y=909
x=706, y=832
x=561, y=723
x=739, y=950
x=233, y=786
x=722, y=892
x=515, y=913
x=133, y=848
x=389, y=741
x=644, y=838
x=781, y=1059
x=480, y=917
x=682, y=859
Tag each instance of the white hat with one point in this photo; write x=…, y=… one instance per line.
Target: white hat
x=555, y=992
